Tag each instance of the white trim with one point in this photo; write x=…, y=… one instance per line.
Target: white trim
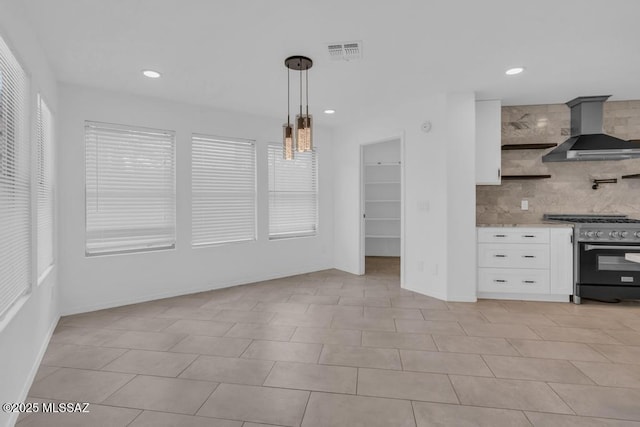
x=524, y=297
x=34, y=369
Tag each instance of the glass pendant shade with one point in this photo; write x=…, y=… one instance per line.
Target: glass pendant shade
x=304, y=132
x=287, y=141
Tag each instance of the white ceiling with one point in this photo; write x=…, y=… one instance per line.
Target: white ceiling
x=229, y=53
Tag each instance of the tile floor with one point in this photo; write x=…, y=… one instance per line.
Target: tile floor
x=333, y=349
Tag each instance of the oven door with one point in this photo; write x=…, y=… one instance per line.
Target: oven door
x=605, y=264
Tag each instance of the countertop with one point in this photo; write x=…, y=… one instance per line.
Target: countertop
x=534, y=225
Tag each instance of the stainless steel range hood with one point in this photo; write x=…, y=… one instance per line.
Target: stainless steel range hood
x=588, y=142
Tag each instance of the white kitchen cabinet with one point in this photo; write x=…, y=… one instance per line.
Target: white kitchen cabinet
x=532, y=263
x=488, y=142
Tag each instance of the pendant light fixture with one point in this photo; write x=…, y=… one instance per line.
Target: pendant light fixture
x=288, y=147
x=303, y=123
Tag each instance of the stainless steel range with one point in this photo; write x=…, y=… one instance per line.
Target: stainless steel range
x=602, y=268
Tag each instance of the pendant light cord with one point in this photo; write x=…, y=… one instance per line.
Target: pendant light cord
x=300, y=91
x=306, y=79
x=288, y=96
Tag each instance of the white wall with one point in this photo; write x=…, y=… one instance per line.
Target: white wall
x=436, y=193
x=105, y=281
x=25, y=331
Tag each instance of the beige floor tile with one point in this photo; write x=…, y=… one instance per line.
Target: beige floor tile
x=44, y=371
x=78, y=385
x=444, y=363
x=582, y=335
x=256, y=404
x=429, y=327
x=588, y=322
x=539, y=419
x=362, y=357
x=418, y=302
x=259, y=425
x=464, y=344
x=609, y=374
x=438, y=414
x=81, y=357
x=283, y=351
x=149, y=324
x=598, y=401
x=619, y=353
x=314, y=299
x=351, y=293
x=341, y=410
x=261, y=332
x=96, y=319
x=519, y=318
x=83, y=336
x=163, y=419
x=304, y=376
x=98, y=415
x=364, y=324
x=499, y=330
x=392, y=313
x=481, y=305
x=453, y=316
x=398, y=340
x=311, y=320
x=368, y=301
x=238, y=316
x=405, y=385
x=327, y=336
x=199, y=327
x=524, y=368
x=508, y=394
x=557, y=350
x=188, y=313
x=624, y=337
x=163, y=394
x=228, y=370
x=212, y=346
x=244, y=304
x=337, y=311
x=281, y=307
x=151, y=363
x=145, y=340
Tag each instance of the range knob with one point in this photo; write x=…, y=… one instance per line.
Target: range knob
x=599, y=234
x=623, y=234
x=637, y=234
x=589, y=234
x=613, y=234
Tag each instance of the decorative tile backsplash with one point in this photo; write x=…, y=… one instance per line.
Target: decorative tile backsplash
x=569, y=188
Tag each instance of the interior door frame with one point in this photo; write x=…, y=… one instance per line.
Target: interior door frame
x=400, y=138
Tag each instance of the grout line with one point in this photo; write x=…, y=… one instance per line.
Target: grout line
x=207, y=399
x=560, y=397
x=134, y=418
x=454, y=389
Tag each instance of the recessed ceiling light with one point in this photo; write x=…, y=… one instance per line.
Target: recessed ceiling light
x=329, y=111
x=513, y=71
x=151, y=74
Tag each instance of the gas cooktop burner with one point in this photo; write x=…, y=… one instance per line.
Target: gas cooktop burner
x=592, y=219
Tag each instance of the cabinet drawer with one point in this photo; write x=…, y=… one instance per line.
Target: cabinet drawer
x=513, y=235
x=513, y=256
x=516, y=281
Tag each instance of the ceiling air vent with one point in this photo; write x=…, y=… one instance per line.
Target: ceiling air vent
x=346, y=51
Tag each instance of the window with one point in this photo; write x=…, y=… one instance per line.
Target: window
x=44, y=146
x=130, y=189
x=223, y=190
x=15, y=210
x=293, y=195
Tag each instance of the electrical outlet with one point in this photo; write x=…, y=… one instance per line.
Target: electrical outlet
x=524, y=205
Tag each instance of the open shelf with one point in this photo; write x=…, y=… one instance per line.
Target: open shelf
x=382, y=164
x=514, y=177
x=380, y=236
x=634, y=176
x=382, y=219
x=381, y=182
x=382, y=201
x=528, y=146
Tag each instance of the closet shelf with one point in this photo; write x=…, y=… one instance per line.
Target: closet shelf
x=382, y=201
x=382, y=164
x=381, y=236
x=541, y=146
x=382, y=219
x=381, y=182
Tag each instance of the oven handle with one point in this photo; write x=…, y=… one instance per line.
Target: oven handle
x=596, y=247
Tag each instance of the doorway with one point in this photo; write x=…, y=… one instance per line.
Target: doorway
x=382, y=212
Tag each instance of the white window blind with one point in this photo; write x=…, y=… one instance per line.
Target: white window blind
x=223, y=190
x=293, y=195
x=15, y=210
x=130, y=188
x=44, y=146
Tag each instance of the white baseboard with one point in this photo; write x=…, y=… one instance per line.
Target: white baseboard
x=524, y=297
x=66, y=311
x=34, y=368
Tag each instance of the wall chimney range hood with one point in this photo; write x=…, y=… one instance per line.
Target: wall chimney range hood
x=588, y=142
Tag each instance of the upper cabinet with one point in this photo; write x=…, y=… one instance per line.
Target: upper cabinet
x=488, y=141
